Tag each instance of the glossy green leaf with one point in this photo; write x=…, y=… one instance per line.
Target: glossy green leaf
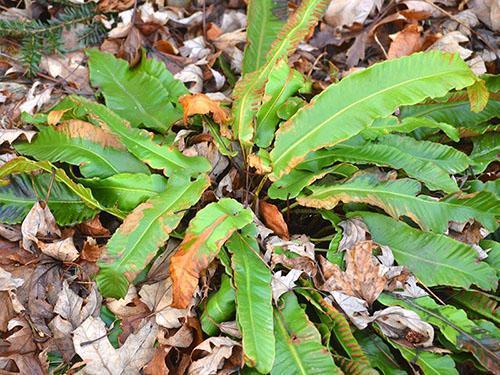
x=343, y=110
x=205, y=235
x=430, y=363
x=219, y=307
x=24, y=165
x=379, y=353
x=142, y=144
x=283, y=82
x=20, y=194
x=265, y=19
x=400, y=198
x=458, y=329
x=254, y=309
x=292, y=184
x=445, y=157
x=125, y=190
x=142, y=233
x=248, y=91
x=298, y=342
x=435, y=259
x=486, y=150
x=146, y=95
x=95, y=160
x=454, y=109
x=434, y=177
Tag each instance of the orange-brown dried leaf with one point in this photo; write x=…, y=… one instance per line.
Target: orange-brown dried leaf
x=406, y=42
x=54, y=117
x=274, y=220
x=82, y=129
x=200, y=104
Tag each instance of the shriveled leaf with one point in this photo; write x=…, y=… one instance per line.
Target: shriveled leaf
x=362, y=278
x=434, y=258
x=22, y=191
x=206, y=234
x=254, y=310
x=454, y=324
x=141, y=143
x=201, y=104
x=144, y=96
x=96, y=152
x=144, y=230
x=126, y=190
x=298, y=343
x=400, y=198
x=216, y=350
x=63, y=250
x=265, y=19
x=247, y=92
x=386, y=86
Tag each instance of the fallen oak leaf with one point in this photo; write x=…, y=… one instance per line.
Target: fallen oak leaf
x=201, y=104
x=405, y=42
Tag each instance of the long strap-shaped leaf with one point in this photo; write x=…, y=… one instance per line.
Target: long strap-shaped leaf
x=399, y=198
x=435, y=259
x=68, y=143
x=18, y=197
x=343, y=110
x=252, y=280
x=265, y=19
x=340, y=326
x=298, y=342
x=125, y=190
x=248, y=91
x=141, y=144
x=465, y=334
x=147, y=228
x=205, y=235
x=24, y=165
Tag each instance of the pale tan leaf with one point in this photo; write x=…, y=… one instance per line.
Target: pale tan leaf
x=63, y=250
x=10, y=135
x=217, y=349
x=38, y=223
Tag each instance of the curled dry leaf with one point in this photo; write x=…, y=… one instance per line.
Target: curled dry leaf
x=55, y=116
x=354, y=231
x=405, y=42
x=362, y=278
x=63, y=250
x=8, y=282
x=91, y=251
x=38, y=223
x=342, y=13
x=10, y=135
x=404, y=326
x=201, y=104
x=273, y=219
x=281, y=284
x=215, y=350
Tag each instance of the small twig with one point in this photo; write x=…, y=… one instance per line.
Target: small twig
x=49, y=190
x=380, y=45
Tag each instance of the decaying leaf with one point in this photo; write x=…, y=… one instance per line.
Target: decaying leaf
x=362, y=277
x=158, y=298
x=63, y=250
x=201, y=104
x=216, y=350
x=405, y=42
x=281, y=284
x=92, y=345
x=38, y=223
x=11, y=135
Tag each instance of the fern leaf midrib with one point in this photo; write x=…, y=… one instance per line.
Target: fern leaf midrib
x=348, y=107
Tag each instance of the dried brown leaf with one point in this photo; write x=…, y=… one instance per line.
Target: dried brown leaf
x=63, y=250
x=38, y=223
x=362, y=278
x=405, y=42
x=195, y=104
x=273, y=219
